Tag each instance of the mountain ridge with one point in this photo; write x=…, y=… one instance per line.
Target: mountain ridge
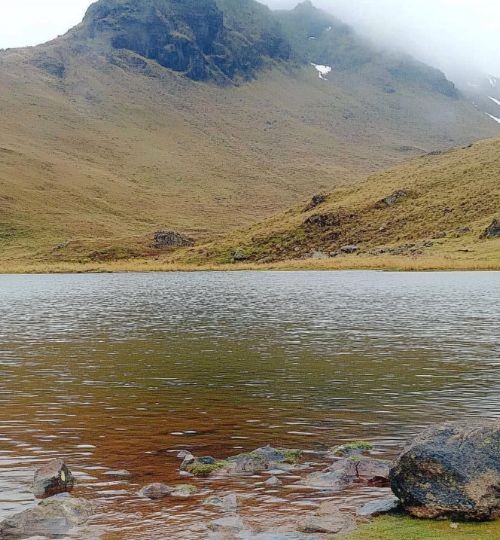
x=101, y=147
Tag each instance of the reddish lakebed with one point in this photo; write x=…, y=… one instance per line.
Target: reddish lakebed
x=118, y=373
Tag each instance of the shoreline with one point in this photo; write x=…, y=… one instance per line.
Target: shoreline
x=359, y=263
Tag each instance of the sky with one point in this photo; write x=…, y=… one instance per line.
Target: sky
x=446, y=33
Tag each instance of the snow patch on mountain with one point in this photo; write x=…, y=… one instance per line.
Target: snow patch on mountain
x=493, y=117
x=322, y=70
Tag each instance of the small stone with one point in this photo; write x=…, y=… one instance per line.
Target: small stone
x=188, y=459
x=156, y=491
x=273, y=482
x=379, y=507
x=53, y=478
x=227, y=525
x=349, y=249
x=122, y=473
x=328, y=519
x=184, y=491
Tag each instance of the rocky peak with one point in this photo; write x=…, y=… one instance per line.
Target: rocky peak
x=188, y=36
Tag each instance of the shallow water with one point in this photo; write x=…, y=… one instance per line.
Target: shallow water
x=120, y=372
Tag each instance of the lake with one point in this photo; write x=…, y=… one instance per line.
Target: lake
x=121, y=372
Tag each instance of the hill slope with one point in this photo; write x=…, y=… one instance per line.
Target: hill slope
x=439, y=204
x=106, y=138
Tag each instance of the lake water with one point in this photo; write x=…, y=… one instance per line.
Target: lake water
x=120, y=372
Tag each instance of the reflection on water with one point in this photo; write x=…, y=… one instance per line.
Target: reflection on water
x=118, y=372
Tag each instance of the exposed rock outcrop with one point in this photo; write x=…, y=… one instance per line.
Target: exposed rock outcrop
x=451, y=470
x=194, y=37
x=315, y=201
x=392, y=199
x=493, y=231
x=170, y=239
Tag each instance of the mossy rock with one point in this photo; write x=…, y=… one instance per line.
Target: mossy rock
x=352, y=449
x=204, y=470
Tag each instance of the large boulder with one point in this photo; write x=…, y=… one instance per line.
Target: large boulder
x=451, y=470
x=52, y=478
x=52, y=517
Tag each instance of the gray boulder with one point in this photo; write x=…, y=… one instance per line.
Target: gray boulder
x=52, y=478
x=52, y=517
x=451, y=470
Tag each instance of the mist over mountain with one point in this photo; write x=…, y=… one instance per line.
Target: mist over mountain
x=459, y=37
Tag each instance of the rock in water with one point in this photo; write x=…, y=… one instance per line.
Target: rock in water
x=54, y=477
x=52, y=517
x=328, y=519
x=156, y=491
x=379, y=507
x=451, y=470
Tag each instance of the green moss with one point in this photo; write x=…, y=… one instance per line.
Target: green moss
x=292, y=457
x=406, y=528
x=205, y=469
x=354, y=447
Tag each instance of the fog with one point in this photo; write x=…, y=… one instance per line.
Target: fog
x=453, y=35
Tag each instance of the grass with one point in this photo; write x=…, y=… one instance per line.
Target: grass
x=92, y=165
x=406, y=528
x=387, y=263
x=450, y=200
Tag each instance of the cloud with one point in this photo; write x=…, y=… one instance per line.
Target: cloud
x=30, y=22
x=453, y=35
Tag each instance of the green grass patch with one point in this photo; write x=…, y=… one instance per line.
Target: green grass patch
x=406, y=528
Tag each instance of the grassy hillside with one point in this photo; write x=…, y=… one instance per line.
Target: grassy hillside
x=100, y=147
x=437, y=205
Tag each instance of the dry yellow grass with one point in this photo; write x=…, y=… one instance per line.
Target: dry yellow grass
x=92, y=164
x=451, y=199
x=383, y=263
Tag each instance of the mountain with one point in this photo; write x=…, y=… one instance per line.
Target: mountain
x=443, y=204
x=200, y=116
x=484, y=92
